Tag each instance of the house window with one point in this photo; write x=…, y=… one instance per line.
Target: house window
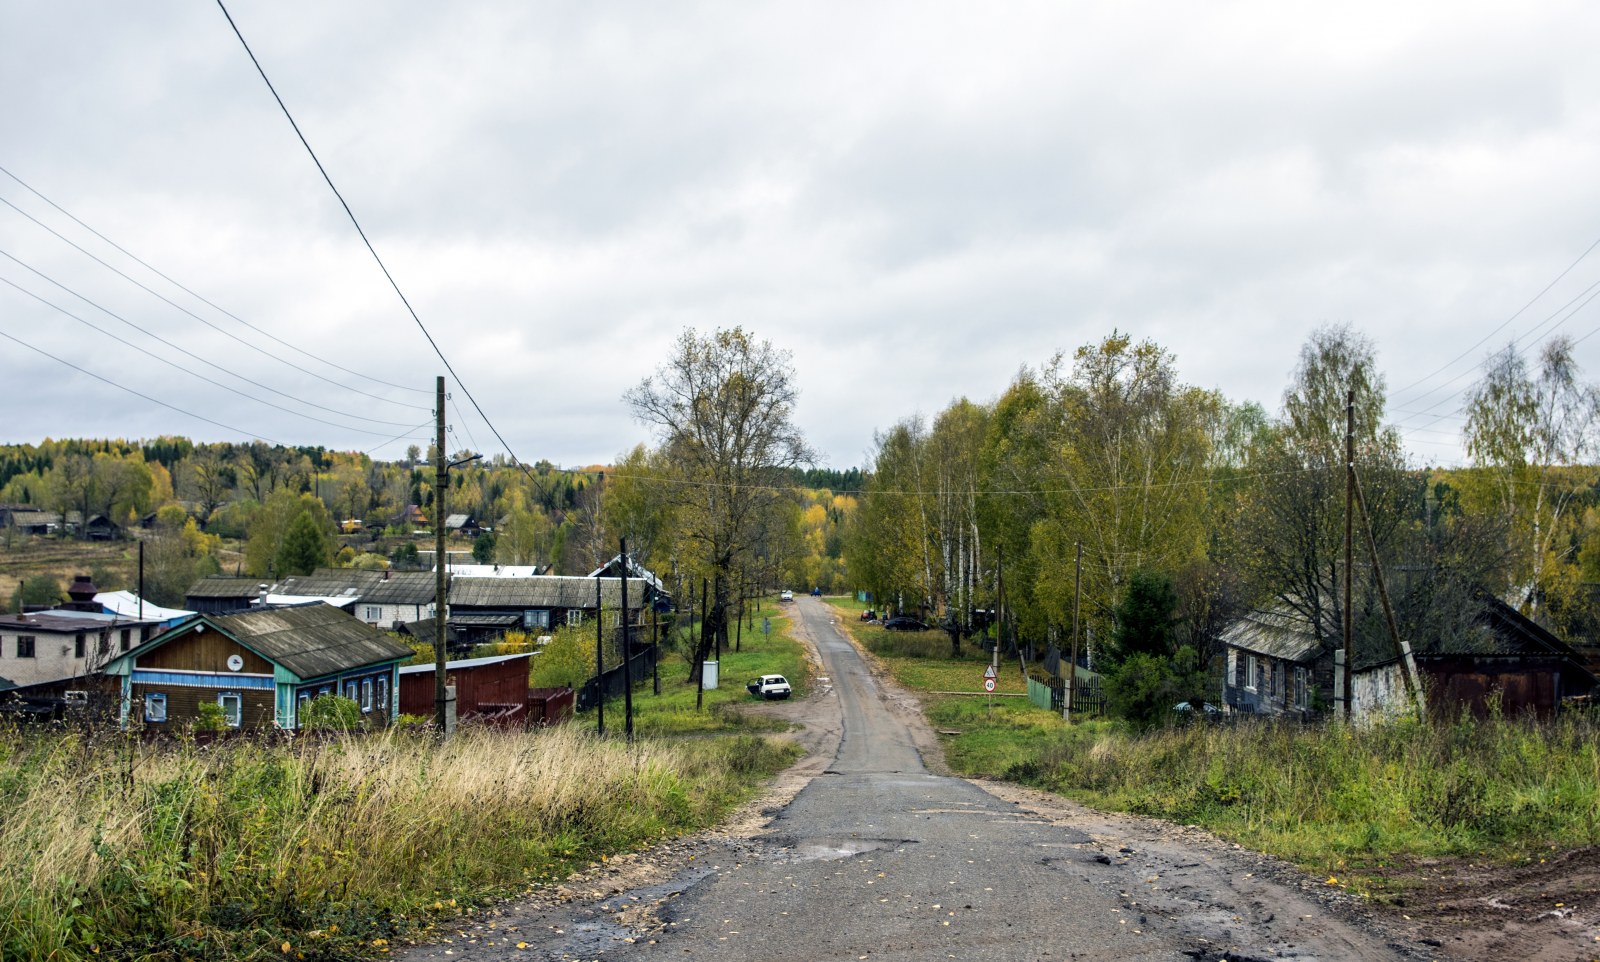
x=371, y=613
x=232, y=708
x=536, y=619
x=1233, y=668
x=350, y=690
x=324, y=690
x=366, y=695
x=25, y=645
x=1252, y=672
x=574, y=617
x=127, y=635
x=1302, y=689
x=383, y=694
x=77, y=646
x=155, y=708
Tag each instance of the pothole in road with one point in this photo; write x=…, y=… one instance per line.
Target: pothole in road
x=833, y=849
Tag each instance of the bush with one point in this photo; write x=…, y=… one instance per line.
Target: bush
x=331, y=713
x=210, y=718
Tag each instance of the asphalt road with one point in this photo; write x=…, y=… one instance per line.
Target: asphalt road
x=878, y=858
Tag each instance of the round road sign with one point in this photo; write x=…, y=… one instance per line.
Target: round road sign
x=988, y=684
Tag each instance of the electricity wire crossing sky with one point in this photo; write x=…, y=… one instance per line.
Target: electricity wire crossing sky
x=915, y=199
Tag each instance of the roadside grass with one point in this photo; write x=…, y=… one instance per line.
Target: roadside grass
x=1341, y=801
x=673, y=711
x=324, y=849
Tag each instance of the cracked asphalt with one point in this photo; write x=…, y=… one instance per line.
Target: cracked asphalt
x=867, y=851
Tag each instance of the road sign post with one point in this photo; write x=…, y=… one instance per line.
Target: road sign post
x=989, y=675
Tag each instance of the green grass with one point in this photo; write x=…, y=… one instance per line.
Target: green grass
x=1334, y=799
x=324, y=849
x=673, y=711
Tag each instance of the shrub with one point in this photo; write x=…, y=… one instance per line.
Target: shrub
x=331, y=713
x=210, y=718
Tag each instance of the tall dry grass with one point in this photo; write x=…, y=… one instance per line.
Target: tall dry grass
x=1332, y=795
x=115, y=848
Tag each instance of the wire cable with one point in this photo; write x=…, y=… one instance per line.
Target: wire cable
x=180, y=368
x=1502, y=325
x=186, y=352
x=122, y=387
x=202, y=299
x=153, y=293
x=370, y=249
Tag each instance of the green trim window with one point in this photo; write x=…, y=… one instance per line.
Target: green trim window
x=155, y=707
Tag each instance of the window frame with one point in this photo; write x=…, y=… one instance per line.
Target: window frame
x=27, y=646
x=151, y=700
x=381, y=694
x=366, y=696
x=236, y=719
x=1252, y=672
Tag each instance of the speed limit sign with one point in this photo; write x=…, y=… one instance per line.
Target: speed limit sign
x=988, y=684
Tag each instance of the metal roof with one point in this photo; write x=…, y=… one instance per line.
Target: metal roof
x=311, y=641
x=466, y=663
x=1276, y=633
x=543, y=591
x=224, y=588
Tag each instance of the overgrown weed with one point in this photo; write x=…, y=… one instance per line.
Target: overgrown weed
x=333, y=847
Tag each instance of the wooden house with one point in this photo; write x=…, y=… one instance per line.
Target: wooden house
x=262, y=667
x=484, y=607
x=1276, y=666
x=464, y=525
x=384, y=598
x=221, y=596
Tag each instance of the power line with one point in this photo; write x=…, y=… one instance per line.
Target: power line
x=188, y=353
x=229, y=334
x=221, y=310
x=121, y=387
x=1502, y=325
x=370, y=249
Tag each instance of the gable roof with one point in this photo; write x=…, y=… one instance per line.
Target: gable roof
x=401, y=588
x=215, y=587
x=543, y=591
x=1274, y=632
x=311, y=641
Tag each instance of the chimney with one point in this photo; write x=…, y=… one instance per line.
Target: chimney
x=262, y=593
x=82, y=592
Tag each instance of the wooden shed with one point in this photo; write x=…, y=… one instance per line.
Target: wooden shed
x=493, y=689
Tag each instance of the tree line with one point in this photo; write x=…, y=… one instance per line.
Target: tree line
x=1175, y=497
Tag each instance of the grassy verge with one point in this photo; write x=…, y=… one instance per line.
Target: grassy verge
x=673, y=711
x=1336, y=800
x=324, y=850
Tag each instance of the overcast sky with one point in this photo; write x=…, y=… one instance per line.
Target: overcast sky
x=916, y=199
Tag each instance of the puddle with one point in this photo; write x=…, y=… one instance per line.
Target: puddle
x=830, y=849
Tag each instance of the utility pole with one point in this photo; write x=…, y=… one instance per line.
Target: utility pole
x=1349, y=554
x=1077, y=602
x=599, y=657
x=627, y=651
x=441, y=468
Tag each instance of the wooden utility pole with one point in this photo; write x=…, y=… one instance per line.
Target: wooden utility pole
x=441, y=468
x=1408, y=668
x=700, y=649
x=627, y=651
x=599, y=657
x=1077, y=603
x=1349, y=555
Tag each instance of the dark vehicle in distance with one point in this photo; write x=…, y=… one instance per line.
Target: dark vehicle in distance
x=905, y=623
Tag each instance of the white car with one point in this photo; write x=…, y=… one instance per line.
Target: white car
x=770, y=686
x=786, y=595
